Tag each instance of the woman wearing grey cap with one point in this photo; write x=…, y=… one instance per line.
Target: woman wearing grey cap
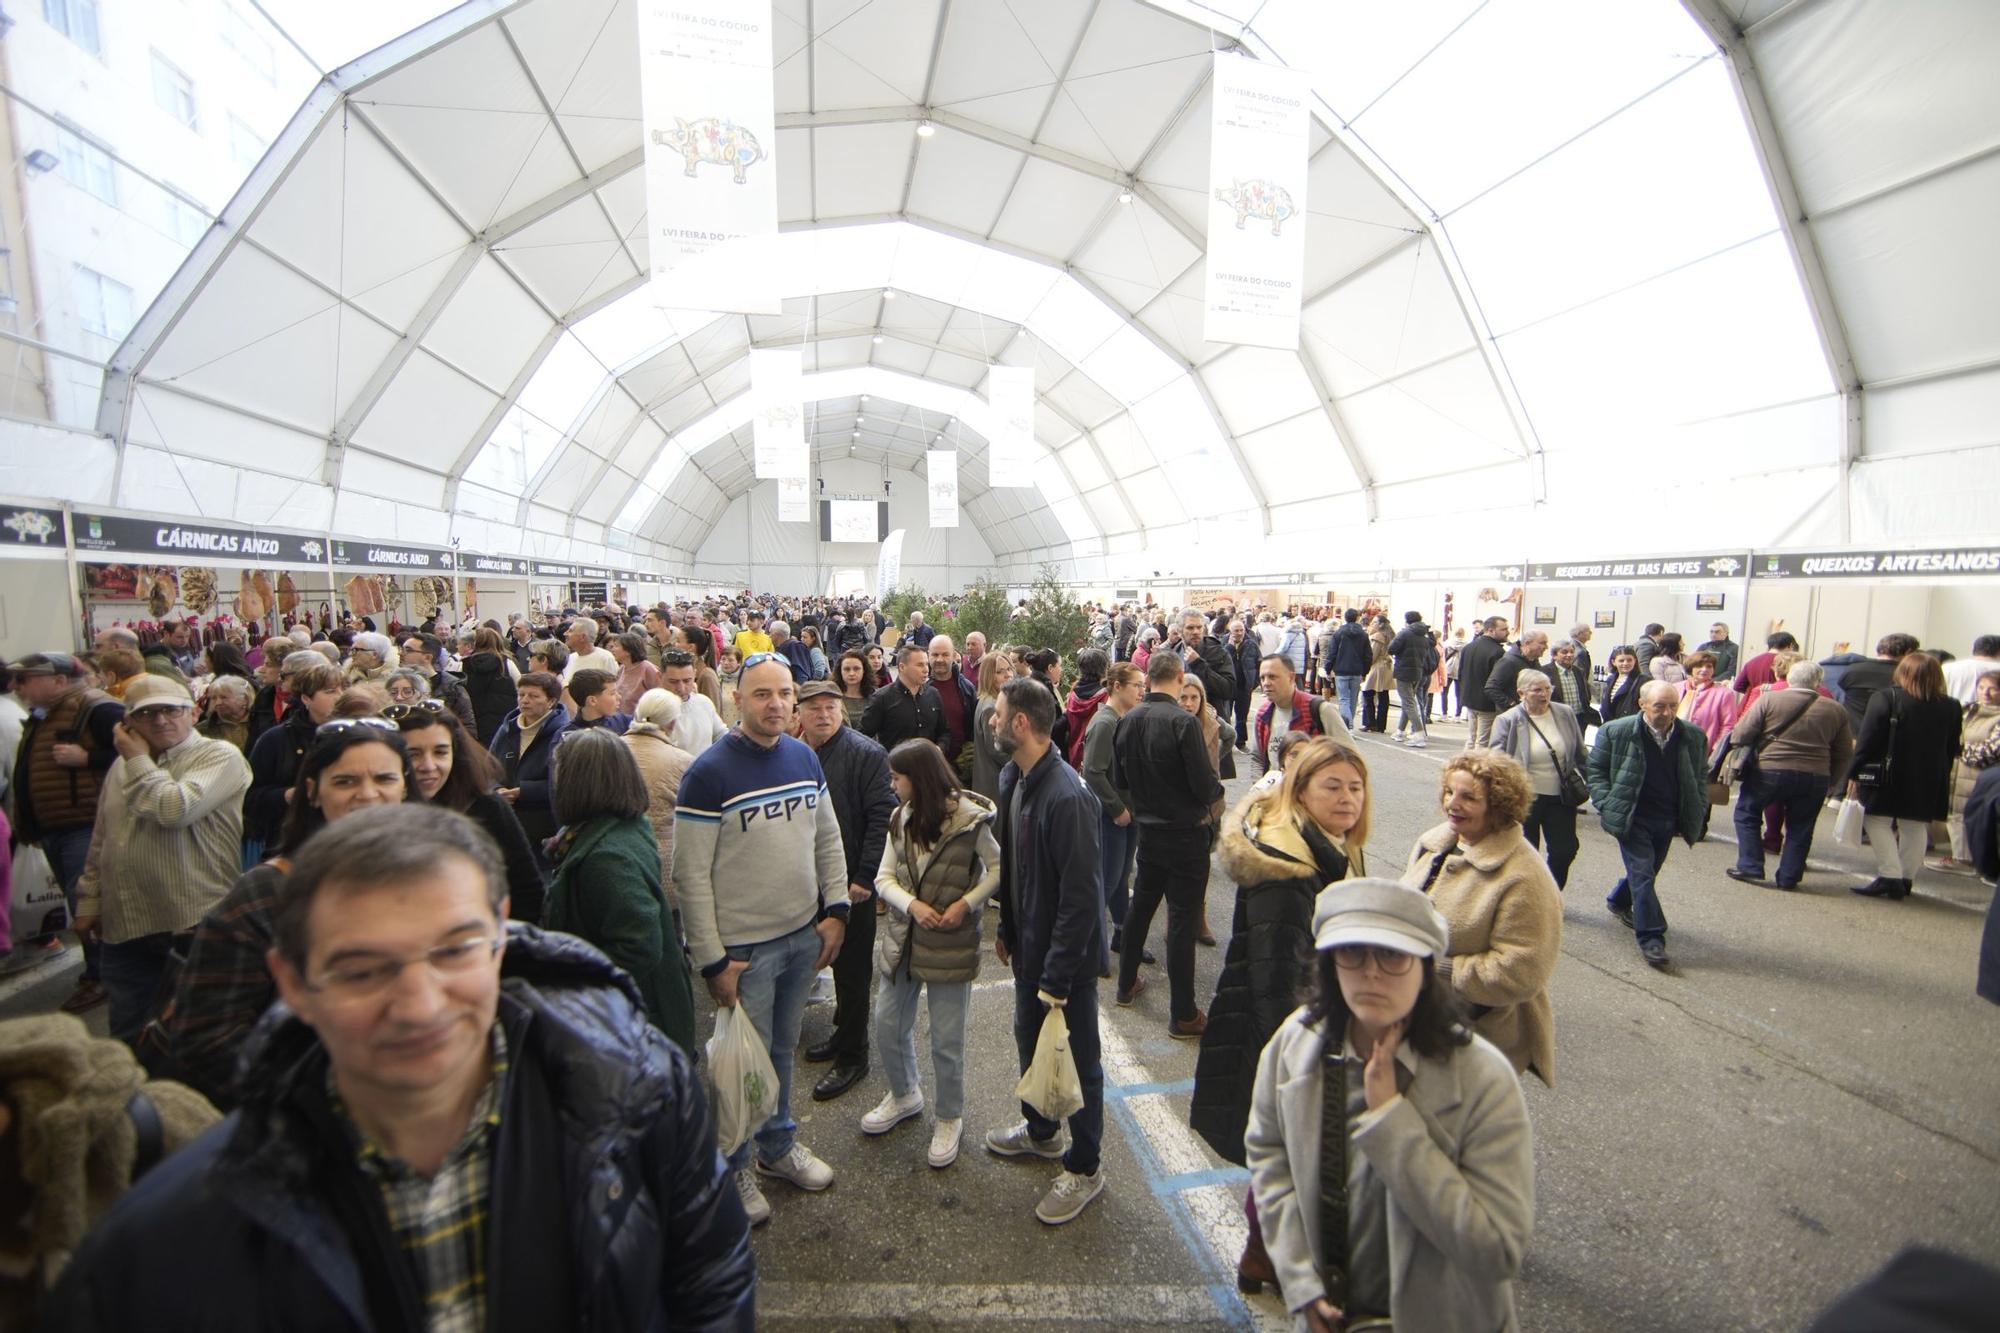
x=1405, y=1197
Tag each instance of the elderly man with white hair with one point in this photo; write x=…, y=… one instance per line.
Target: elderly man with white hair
x=371, y=657
x=1802, y=739
x=1649, y=780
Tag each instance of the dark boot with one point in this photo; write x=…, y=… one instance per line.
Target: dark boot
x=1884, y=888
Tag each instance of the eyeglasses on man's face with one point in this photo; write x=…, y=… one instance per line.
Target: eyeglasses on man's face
x=396, y=712
x=366, y=975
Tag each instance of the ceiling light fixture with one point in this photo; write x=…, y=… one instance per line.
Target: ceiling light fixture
x=888, y=293
x=925, y=129
x=877, y=338
x=1124, y=196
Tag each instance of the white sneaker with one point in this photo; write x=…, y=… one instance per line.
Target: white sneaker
x=1016, y=1141
x=944, y=1142
x=754, y=1202
x=892, y=1111
x=801, y=1168
x=1420, y=743
x=1068, y=1197
x=1398, y=737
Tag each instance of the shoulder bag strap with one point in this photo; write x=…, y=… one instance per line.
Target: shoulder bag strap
x=1335, y=1256
x=1554, y=753
x=1811, y=699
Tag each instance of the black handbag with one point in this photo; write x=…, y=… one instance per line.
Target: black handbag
x=1575, y=790
x=1876, y=774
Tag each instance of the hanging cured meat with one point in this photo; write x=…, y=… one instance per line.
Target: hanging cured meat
x=433, y=594
x=163, y=590
x=251, y=603
x=198, y=590
x=288, y=594
x=364, y=595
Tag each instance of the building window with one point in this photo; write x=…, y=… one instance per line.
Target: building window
x=76, y=20
x=173, y=91
x=245, y=145
x=104, y=304
x=86, y=165
x=186, y=221
x=246, y=41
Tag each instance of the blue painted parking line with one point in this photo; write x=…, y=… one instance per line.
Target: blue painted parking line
x=1194, y=1180
x=1122, y=1090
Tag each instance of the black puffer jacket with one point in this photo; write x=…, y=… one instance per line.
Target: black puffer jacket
x=275, y=757
x=492, y=693
x=611, y=1208
x=1279, y=868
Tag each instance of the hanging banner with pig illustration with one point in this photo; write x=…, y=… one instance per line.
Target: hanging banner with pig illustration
x=710, y=133
x=1259, y=137
x=778, y=414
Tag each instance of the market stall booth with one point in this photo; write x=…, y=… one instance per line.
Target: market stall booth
x=1618, y=598
x=1835, y=601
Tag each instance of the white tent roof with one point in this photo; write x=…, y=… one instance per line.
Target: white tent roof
x=1542, y=232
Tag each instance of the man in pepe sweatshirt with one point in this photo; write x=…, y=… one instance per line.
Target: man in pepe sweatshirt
x=763, y=888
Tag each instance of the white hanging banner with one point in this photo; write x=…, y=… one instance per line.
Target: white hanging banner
x=794, y=502
x=778, y=414
x=1260, y=134
x=941, y=466
x=889, y=567
x=1010, y=459
x=710, y=111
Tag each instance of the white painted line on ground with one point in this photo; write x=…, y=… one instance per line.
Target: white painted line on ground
x=1124, y=1307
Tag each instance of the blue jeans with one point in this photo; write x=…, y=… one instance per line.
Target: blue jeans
x=1644, y=848
x=66, y=850
x=1347, y=689
x=1801, y=795
x=772, y=991
x=1114, y=858
x=896, y=1037
x=1086, y=1126
x=130, y=971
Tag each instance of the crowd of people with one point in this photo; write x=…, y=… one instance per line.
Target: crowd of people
x=434, y=911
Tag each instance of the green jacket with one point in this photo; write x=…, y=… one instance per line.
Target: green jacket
x=1617, y=770
x=607, y=892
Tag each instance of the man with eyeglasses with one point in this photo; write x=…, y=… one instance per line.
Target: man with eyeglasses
x=166, y=845
x=457, y=1125
x=907, y=707
x=417, y=678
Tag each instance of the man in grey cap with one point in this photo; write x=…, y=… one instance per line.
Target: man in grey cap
x=59, y=770
x=166, y=846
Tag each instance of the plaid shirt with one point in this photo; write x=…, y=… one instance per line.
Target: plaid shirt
x=441, y=1220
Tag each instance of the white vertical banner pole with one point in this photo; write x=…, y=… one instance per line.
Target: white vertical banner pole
x=777, y=413
x=794, y=504
x=1259, y=139
x=1010, y=392
x=710, y=133
x=941, y=467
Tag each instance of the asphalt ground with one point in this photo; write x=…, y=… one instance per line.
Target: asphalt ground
x=1732, y=1142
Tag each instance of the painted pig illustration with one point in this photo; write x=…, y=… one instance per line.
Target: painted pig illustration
x=26, y=523
x=1258, y=199
x=712, y=139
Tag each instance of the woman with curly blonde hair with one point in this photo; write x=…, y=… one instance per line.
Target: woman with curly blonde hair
x=1501, y=902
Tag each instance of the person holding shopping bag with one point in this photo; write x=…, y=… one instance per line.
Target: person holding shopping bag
x=1388, y=1146
x=941, y=865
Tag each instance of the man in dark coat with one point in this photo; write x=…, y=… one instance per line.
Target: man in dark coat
x=1204, y=656
x=907, y=707
x=1159, y=756
x=1246, y=657
x=1475, y=665
x=571, y=1141
x=1348, y=655
x=1502, y=691
x=1416, y=654
x=1052, y=933
x=857, y=782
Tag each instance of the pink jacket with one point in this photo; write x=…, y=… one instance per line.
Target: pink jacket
x=1714, y=709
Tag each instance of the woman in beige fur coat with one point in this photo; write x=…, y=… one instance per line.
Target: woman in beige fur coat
x=1501, y=903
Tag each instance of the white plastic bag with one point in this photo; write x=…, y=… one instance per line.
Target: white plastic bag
x=746, y=1084
x=1847, y=824
x=38, y=905
x=1051, y=1085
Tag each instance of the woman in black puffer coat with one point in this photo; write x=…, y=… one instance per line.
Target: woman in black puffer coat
x=489, y=684
x=1282, y=847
